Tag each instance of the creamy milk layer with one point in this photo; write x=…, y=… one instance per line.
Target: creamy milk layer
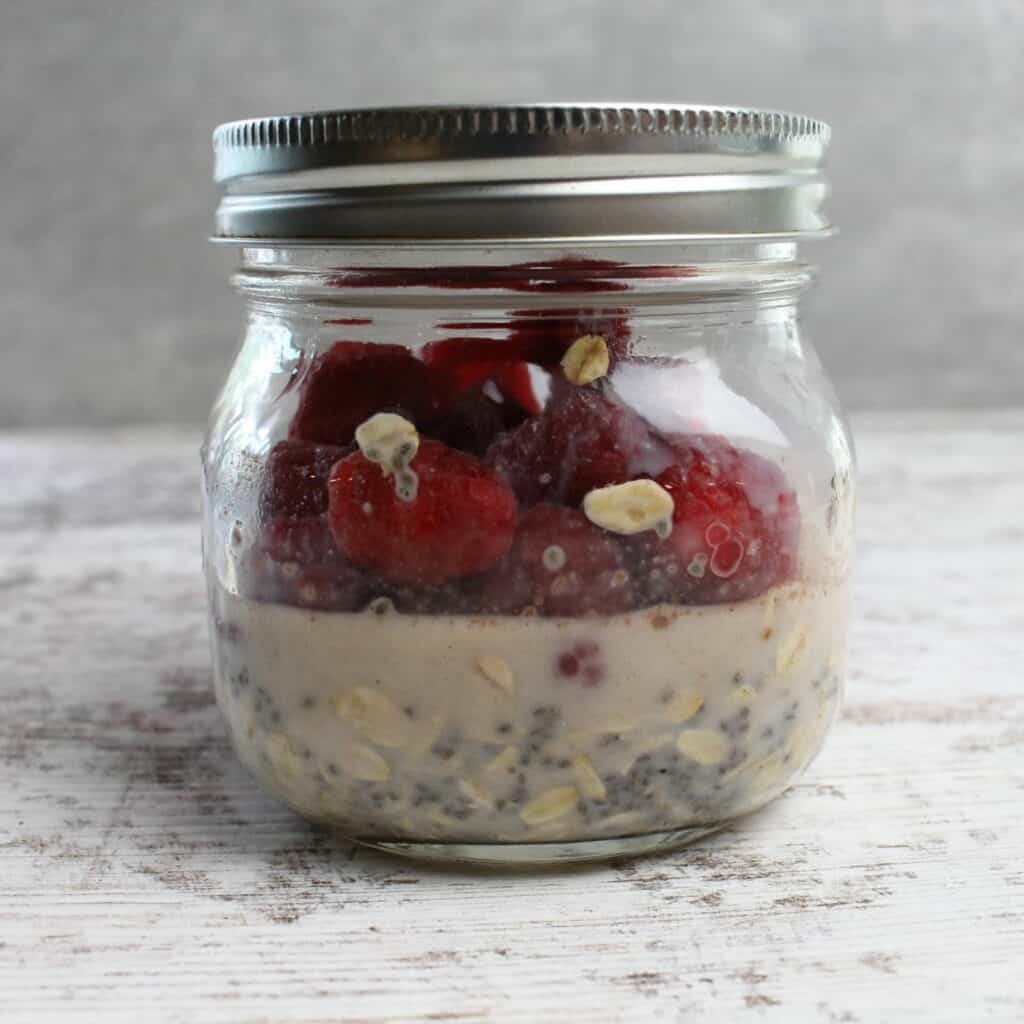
x=518, y=729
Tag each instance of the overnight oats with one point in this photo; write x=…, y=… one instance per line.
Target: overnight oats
x=522, y=560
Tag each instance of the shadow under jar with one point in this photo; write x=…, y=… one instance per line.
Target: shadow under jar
x=528, y=509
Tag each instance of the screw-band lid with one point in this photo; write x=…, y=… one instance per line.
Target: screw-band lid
x=558, y=173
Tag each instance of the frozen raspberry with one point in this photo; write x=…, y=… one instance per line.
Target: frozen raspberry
x=515, y=382
x=295, y=479
x=504, y=589
x=542, y=336
x=353, y=380
x=584, y=439
x=468, y=362
x=305, y=541
x=334, y=588
x=459, y=521
x=295, y=560
x=575, y=568
x=538, y=336
x=735, y=526
x=476, y=420
x=471, y=360
x=293, y=502
x=331, y=586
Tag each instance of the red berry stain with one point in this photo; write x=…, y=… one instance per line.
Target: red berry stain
x=571, y=274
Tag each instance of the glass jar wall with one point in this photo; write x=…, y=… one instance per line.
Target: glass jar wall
x=527, y=553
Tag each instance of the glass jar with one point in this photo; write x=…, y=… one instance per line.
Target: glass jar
x=525, y=543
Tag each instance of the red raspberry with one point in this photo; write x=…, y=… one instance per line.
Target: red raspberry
x=504, y=589
x=538, y=336
x=479, y=356
x=333, y=588
x=735, y=528
x=575, y=567
x=306, y=541
x=476, y=420
x=353, y=380
x=296, y=560
x=543, y=335
x=460, y=522
x=543, y=346
x=329, y=586
x=293, y=502
x=514, y=382
x=468, y=362
x=585, y=439
x=295, y=479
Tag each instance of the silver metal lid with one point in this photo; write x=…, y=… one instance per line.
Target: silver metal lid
x=553, y=173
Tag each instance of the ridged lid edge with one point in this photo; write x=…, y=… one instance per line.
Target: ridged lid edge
x=303, y=139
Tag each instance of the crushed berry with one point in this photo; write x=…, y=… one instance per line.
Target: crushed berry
x=583, y=660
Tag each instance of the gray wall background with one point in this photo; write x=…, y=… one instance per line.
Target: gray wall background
x=114, y=309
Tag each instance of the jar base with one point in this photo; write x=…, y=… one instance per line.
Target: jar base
x=544, y=854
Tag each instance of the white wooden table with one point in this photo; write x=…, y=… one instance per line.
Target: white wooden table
x=143, y=877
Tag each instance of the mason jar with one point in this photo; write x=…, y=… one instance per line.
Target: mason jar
x=528, y=504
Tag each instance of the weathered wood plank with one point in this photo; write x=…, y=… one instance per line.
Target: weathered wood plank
x=143, y=876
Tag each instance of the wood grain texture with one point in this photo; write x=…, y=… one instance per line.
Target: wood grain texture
x=144, y=877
